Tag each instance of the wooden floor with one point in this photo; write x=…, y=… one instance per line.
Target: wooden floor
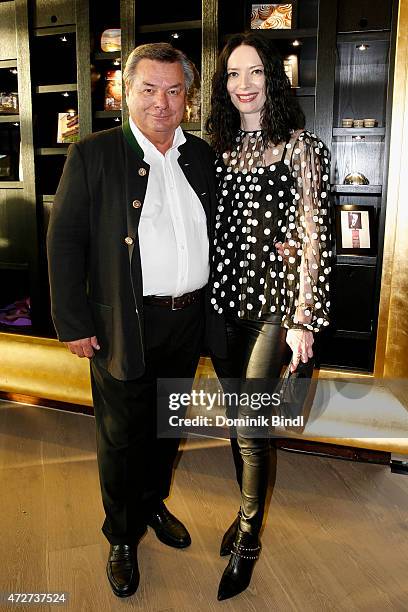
x=336, y=535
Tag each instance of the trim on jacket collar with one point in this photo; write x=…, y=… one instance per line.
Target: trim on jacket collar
x=130, y=137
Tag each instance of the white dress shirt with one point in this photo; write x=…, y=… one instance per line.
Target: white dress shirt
x=173, y=236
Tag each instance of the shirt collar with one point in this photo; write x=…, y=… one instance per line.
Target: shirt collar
x=147, y=145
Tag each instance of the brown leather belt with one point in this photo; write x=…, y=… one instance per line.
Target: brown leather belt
x=175, y=303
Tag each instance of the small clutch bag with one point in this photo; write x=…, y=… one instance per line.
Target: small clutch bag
x=294, y=388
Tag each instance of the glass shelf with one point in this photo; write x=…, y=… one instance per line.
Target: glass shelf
x=358, y=189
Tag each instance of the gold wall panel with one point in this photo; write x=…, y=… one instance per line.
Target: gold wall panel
x=44, y=368
x=392, y=339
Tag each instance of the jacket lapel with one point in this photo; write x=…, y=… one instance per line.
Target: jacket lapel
x=190, y=164
x=137, y=174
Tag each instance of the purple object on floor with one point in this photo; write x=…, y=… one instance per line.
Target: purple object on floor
x=20, y=322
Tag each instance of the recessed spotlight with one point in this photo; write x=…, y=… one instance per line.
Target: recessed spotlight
x=117, y=119
x=116, y=62
x=63, y=39
x=296, y=43
x=13, y=71
x=65, y=94
x=362, y=47
x=175, y=35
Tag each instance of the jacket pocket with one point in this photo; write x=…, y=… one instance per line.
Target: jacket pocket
x=103, y=320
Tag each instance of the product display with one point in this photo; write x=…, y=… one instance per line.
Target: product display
x=111, y=40
x=193, y=104
x=358, y=123
x=5, y=166
x=291, y=66
x=113, y=90
x=68, y=127
x=8, y=103
x=356, y=178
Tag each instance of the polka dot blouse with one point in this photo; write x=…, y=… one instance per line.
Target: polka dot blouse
x=269, y=195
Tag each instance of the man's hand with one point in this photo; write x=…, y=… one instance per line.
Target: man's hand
x=84, y=347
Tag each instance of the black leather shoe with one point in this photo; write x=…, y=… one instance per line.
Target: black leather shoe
x=237, y=575
x=168, y=528
x=229, y=537
x=122, y=569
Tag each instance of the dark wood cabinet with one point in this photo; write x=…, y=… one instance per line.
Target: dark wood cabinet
x=345, y=53
x=49, y=13
x=344, y=57
x=364, y=15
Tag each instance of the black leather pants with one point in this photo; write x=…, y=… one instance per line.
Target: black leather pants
x=256, y=350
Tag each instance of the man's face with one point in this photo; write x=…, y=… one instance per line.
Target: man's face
x=156, y=98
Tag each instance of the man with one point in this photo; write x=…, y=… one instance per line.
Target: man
x=128, y=261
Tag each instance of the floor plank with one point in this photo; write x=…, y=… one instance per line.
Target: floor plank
x=335, y=538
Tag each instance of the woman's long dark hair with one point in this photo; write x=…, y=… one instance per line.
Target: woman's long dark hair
x=281, y=112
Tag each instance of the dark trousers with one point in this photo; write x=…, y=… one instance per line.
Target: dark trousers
x=135, y=466
x=256, y=350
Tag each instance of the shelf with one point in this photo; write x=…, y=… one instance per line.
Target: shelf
x=376, y=131
x=9, y=265
x=63, y=150
x=358, y=189
x=352, y=335
x=290, y=34
x=108, y=114
x=11, y=185
x=106, y=55
x=361, y=260
x=43, y=89
x=363, y=37
x=54, y=30
x=194, y=126
x=304, y=91
x=167, y=27
x=10, y=63
x=9, y=118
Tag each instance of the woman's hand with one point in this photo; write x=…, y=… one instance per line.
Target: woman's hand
x=300, y=341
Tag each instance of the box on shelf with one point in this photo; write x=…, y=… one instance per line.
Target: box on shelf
x=8, y=103
x=68, y=127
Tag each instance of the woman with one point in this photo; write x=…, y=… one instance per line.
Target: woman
x=271, y=256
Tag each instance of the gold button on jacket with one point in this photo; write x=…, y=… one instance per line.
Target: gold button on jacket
x=136, y=203
x=129, y=240
x=142, y=172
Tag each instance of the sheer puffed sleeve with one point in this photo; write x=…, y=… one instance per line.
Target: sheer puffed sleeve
x=308, y=239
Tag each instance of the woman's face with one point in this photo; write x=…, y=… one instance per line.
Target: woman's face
x=246, y=80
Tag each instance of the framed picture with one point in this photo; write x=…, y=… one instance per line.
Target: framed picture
x=355, y=230
x=275, y=16
x=291, y=66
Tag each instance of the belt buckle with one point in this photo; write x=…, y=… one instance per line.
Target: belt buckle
x=173, y=307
